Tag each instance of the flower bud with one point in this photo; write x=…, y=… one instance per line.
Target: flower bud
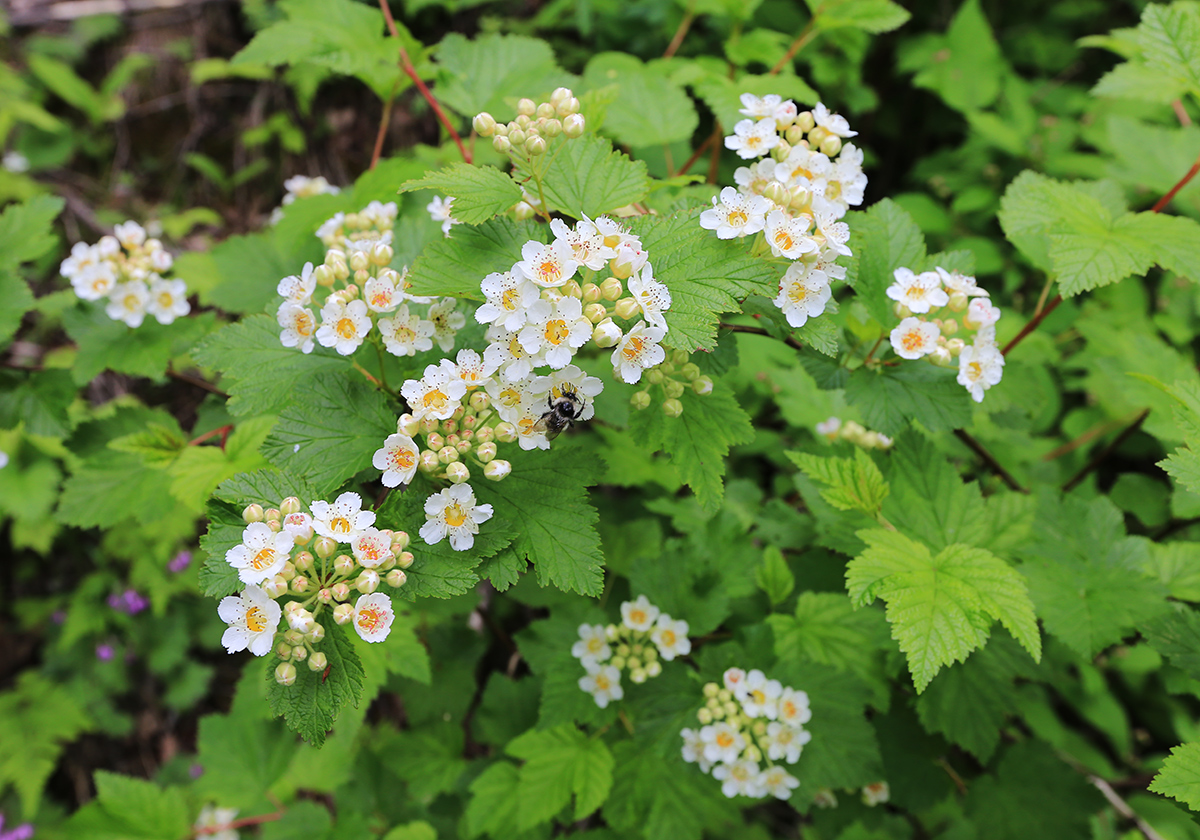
x=955, y=346
x=805, y=120
x=703, y=385
x=341, y=591
x=627, y=308
x=831, y=145
x=949, y=326
x=299, y=653
x=318, y=662
x=690, y=371
x=252, y=513
x=673, y=388
x=611, y=289
x=367, y=582
x=544, y=111
x=637, y=675
x=506, y=432
x=501, y=129
x=552, y=128
x=447, y=455
x=283, y=650
x=523, y=210
x=317, y=633
x=485, y=435
x=404, y=559
x=536, y=146
x=464, y=446
x=561, y=94
x=711, y=689
x=705, y=716
x=501, y=144
x=400, y=540
x=753, y=753
x=484, y=124
x=344, y=564
x=941, y=357
x=359, y=261
x=479, y=401
x=324, y=276
x=486, y=452
x=408, y=425
x=595, y=312
x=324, y=547
x=958, y=302
x=300, y=584
x=653, y=669
x=573, y=125
x=526, y=107
x=435, y=441
x=458, y=472
x=780, y=152
x=900, y=310
x=672, y=408
x=496, y=470
x=816, y=136
x=777, y=193
x=617, y=662
x=275, y=525
x=429, y=461
x=290, y=505
x=517, y=137
x=285, y=673
x=731, y=709
x=396, y=578
x=640, y=400
x=275, y=587
x=654, y=376
x=301, y=621
x=291, y=606
x=794, y=134
x=342, y=612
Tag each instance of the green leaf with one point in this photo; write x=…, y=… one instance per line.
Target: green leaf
x=493, y=71
x=261, y=375
x=158, y=445
x=333, y=433
x=885, y=238
x=929, y=501
x=872, y=16
x=941, y=608
x=1169, y=36
x=18, y=300
x=66, y=84
x=198, y=470
x=105, y=344
x=853, y=483
x=893, y=396
x=312, y=704
x=430, y=761
x=39, y=401
x=587, y=177
x=131, y=809
x=494, y=804
x=966, y=67
x=706, y=275
x=649, y=110
x=1176, y=635
x=698, y=440
x=559, y=762
x=479, y=192
x=1180, y=775
x=455, y=266
x=656, y=796
x=25, y=230
x=774, y=577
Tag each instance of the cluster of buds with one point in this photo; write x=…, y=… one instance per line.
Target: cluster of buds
x=674, y=376
x=795, y=196
x=301, y=186
x=749, y=719
x=920, y=299
x=311, y=561
x=365, y=292
x=643, y=638
x=536, y=126
x=126, y=270
x=834, y=429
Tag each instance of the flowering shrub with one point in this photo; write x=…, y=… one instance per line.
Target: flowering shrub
x=665, y=393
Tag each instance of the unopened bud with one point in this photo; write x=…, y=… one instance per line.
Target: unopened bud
x=573, y=125
x=816, y=136
x=536, y=146
x=400, y=540
x=288, y=571
x=318, y=662
x=486, y=452
x=958, y=302
x=317, y=633
x=544, y=111
x=343, y=612
x=480, y=401
x=359, y=261
x=275, y=525
x=595, y=312
x=672, y=408
x=781, y=150
x=323, y=274
x=447, y=455
x=517, y=137
x=435, y=441
x=526, y=107
x=702, y=385
x=654, y=376
x=290, y=505
x=640, y=400
x=674, y=388
x=831, y=145
x=458, y=472
x=283, y=650
x=591, y=293
x=324, y=547
x=275, y=587
x=502, y=144
x=300, y=584
x=805, y=120
x=611, y=289
x=253, y=513
x=653, y=669
x=955, y=346
x=523, y=210
x=485, y=435
x=617, y=662
x=606, y=333
x=496, y=470
x=367, y=582
x=404, y=559
x=949, y=326
x=690, y=371
x=429, y=461
x=552, y=128
x=285, y=673
x=344, y=564
x=299, y=653
x=560, y=94
x=506, y=432
x=777, y=193
x=408, y=425
x=484, y=124
x=900, y=310
x=627, y=308
x=794, y=134
x=300, y=621
x=396, y=578
x=637, y=675
x=941, y=357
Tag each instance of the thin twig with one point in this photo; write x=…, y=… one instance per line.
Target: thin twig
x=715, y=160
x=977, y=447
x=411, y=71
x=1181, y=113
x=954, y=777
x=738, y=328
x=198, y=382
x=1087, y=437
x=1122, y=808
x=1166, y=199
x=700, y=150
x=682, y=31
x=1108, y=450
x=384, y=122
x=1032, y=325
x=806, y=35
x=222, y=431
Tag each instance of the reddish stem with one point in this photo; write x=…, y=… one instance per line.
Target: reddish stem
x=696, y=155
x=1166, y=199
x=383, y=125
x=1032, y=325
x=223, y=432
x=411, y=71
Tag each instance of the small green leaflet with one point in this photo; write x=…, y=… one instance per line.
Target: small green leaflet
x=649, y=110
x=965, y=67
x=560, y=762
x=455, y=266
x=39, y=400
x=490, y=72
x=853, y=483
x=774, y=577
x=873, y=16
x=587, y=177
x=941, y=608
x=126, y=807
x=885, y=238
x=479, y=192
x=494, y=802
x=25, y=229
x=892, y=397
x=1180, y=775
x=1170, y=41
x=105, y=344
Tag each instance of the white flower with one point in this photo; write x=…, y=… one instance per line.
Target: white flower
x=603, y=682
x=447, y=321
x=755, y=177
x=919, y=292
x=671, y=637
x=439, y=210
x=827, y=262
x=592, y=646
x=913, y=338
x=168, y=299
x=735, y=680
x=825, y=798
x=783, y=111
x=981, y=313
x=301, y=186
x=833, y=123
x=804, y=168
x=127, y=302
x=3, y=460
x=405, y=334
x=547, y=265
x=876, y=793
x=639, y=614
x=343, y=326
x=82, y=255
x=93, y=281
x=587, y=387
x=844, y=186
x=371, y=548
x=793, y=707
x=736, y=214
x=777, y=782
x=261, y=553
x=373, y=616
x=505, y=353
x=453, y=513
x=762, y=695
x=788, y=235
x=738, y=777
x=693, y=749
x=653, y=297
x=470, y=367
x=299, y=326
x=380, y=293
x=803, y=293
x=252, y=618
x=509, y=296
x=130, y=234
x=555, y=330
x=629, y=259
x=586, y=244
x=980, y=366
x=343, y=520
x=637, y=350
x=299, y=525
x=160, y=258
x=517, y=399
x=398, y=459
x=298, y=289
x=836, y=234
x=15, y=162
x=785, y=742
x=753, y=138
x=216, y=821
x=722, y=742
x=829, y=428
x=436, y=394
x=956, y=282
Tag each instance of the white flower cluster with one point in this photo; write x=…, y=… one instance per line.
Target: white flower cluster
x=301, y=186
x=359, y=250
x=644, y=635
x=796, y=197
x=538, y=124
x=214, y=823
x=834, y=429
x=274, y=560
x=747, y=720
x=127, y=270
x=439, y=210
x=919, y=298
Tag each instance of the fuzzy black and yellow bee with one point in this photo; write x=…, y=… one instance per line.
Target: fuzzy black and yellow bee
x=563, y=411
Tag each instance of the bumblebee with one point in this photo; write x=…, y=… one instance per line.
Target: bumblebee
x=563, y=411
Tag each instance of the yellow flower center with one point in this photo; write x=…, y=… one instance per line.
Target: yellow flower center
x=556, y=331
x=256, y=620
x=912, y=341
x=633, y=348
x=304, y=323
x=784, y=241
x=404, y=335
x=914, y=292
x=435, y=398
x=797, y=294
x=602, y=683
x=165, y=300
x=510, y=397
x=263, y=559
x=509, y=299
x=515, y=348
x=637, y=616
x=724, y=740
x=132, y=302
x=549, y=271
x=595, y=644
x=403, y=459
x=759, y=696
x=455, y=515
x=381, y=298
x=371, y=619
x=339, y=525
x=976, y=370
x=668, y=638
x=737, y=218
x=345, y=328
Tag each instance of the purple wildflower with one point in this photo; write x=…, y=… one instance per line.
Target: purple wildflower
x=105, y=652
x=180, y=562
x=22, y=832
x=128, y=601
